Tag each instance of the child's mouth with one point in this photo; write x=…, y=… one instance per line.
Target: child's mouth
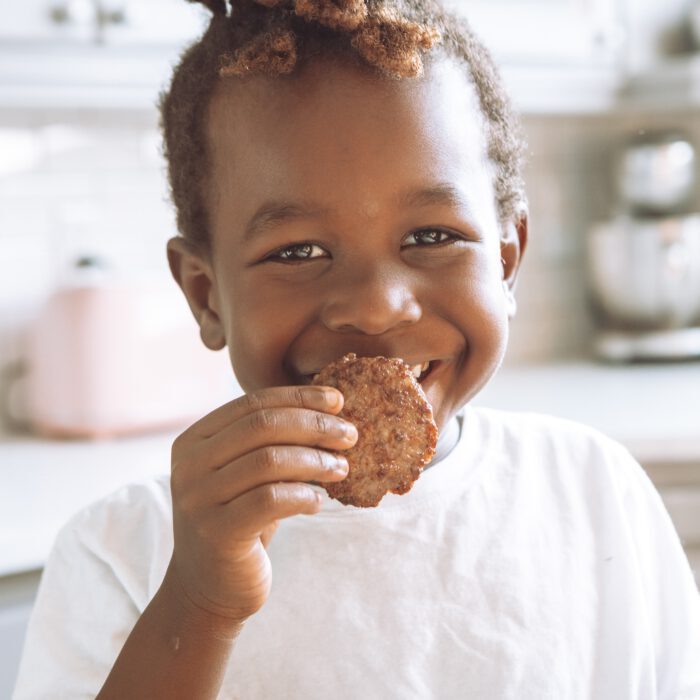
x=419, y=371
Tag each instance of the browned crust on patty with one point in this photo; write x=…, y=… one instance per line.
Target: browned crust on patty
x=397, y=432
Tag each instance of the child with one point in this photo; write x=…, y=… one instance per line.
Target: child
x=347, y=179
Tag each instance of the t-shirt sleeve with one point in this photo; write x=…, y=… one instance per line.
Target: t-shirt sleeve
x=671, y=594
x=79, y=623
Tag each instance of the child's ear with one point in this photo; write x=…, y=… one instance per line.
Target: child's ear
x=193, y=273
x=513, y=244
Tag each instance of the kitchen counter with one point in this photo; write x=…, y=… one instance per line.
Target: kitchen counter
x=45, y=481
x=653, y=410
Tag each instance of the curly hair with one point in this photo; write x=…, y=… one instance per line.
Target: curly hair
x=394, y=38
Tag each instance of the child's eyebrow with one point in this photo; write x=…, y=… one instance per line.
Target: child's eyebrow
x=273, y=213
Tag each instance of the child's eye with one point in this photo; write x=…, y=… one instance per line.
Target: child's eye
x=297, y=252
x=429, y=237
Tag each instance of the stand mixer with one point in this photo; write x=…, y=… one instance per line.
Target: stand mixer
x=643, y=265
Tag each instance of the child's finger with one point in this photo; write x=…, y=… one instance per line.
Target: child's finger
x=268, y=532
x=317, y=398
x=273, y=464
x=249, y=515
x=279, y=426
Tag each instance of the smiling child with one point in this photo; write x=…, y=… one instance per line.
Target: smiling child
x=347, y=178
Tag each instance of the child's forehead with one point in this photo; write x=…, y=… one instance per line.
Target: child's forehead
x=347, y=139
x=320, y=96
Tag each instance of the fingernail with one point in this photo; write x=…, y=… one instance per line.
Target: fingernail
x=333, y=398
x=341, y=466
x=351, y=433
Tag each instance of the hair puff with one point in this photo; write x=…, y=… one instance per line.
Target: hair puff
x=344, y=15
x=272, y=53
x=382, y=33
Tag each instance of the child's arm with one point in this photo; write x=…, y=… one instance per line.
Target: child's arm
x=174, y=651
x=235, y=473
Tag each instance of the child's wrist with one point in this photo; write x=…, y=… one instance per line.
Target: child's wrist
x=192, y=617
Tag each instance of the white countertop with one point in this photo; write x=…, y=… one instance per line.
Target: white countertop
x=654, y=410
x=45, y=481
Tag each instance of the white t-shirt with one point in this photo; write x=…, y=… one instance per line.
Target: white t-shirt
x=535, y=562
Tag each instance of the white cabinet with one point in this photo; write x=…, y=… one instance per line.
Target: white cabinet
x=92, y=54
x=112, y=22
x=170, y=22
x=556, y=56
x=26, y=20
x=576, y=32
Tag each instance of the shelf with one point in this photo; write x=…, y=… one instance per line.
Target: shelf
x=120, y=79
x=562, y=89
x=78, y=76
x=673, y=84
x=81, y=76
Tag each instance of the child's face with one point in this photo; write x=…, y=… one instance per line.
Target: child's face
x=323, y=244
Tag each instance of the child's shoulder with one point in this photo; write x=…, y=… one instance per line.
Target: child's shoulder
x=133, y=505
x=525, y=436
x=526, y=426
x=127, y=532
x=556, y=458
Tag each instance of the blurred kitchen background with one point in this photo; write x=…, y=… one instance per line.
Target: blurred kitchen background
x=608, y=327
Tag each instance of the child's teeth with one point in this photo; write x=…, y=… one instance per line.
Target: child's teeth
x=419, y=369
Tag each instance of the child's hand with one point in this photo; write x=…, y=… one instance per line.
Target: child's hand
x=234, y=474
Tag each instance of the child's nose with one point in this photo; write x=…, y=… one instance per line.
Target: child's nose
x=371, y=300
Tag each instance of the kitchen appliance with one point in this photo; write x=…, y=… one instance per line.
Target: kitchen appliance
x=656, y=174
x=112, y=355
x=694, y=23
x=643, y=264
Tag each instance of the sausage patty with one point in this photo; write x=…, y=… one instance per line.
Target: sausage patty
x=397, y=433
